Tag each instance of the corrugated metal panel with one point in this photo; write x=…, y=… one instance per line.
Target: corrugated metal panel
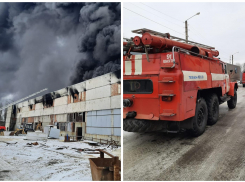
x=100, y=122
x=117, y=120
x=117, y=111
x=99, y=131
x=117, y=131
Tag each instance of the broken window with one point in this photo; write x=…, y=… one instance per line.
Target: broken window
x=61, y=126
x=23, y=122
x=73, y=127
x=80, y=117
x=76, y=117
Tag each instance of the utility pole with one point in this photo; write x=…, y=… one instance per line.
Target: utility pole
x=232, y=57
x=186, y=27
x=186, y=32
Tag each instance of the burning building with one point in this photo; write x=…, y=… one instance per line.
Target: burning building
x=90, y=109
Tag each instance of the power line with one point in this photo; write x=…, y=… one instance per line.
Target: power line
x=153, y=21
x=166, y=20
x=156, y=15
x=161, y=12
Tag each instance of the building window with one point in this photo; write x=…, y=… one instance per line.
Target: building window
x=61, y=126
x=80, y=117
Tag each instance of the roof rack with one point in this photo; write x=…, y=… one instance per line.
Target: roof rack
x=165, y=35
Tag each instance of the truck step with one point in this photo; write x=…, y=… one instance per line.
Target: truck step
x=225, y=98
x=167, y=114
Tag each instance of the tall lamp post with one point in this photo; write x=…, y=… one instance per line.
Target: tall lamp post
x=232, y=57
x=186, y=27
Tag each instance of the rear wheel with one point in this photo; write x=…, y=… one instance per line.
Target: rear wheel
x=213, y=109
x=200, y=119
x=137, y=125
x=232, y=102
x=243, y=85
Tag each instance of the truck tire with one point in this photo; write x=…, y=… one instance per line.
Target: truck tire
x=213, y=109
x=232, y=102
x=133, y=125
x=137, y=125
x=243, y=85
x=199, y=121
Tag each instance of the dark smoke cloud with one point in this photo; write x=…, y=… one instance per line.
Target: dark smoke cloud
x=100, y=42
x=56, y=44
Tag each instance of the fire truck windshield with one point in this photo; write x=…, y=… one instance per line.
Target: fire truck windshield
x=137, y=86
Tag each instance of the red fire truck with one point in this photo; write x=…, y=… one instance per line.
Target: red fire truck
x=170, y=84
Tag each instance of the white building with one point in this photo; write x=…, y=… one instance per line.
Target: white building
x=91, y=109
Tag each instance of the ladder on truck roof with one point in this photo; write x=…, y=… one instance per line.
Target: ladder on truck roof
x=167, y=35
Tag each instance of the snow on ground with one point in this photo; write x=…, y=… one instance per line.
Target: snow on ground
x=43, y=162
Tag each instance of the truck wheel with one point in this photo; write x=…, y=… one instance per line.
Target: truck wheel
x=232, y=102
x=132, y=125
x=200, y=119
x=137, y=125
x=213, y=109
x=243, y=85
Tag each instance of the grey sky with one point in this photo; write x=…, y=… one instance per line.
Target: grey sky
x=219, y=24
x=54, y=45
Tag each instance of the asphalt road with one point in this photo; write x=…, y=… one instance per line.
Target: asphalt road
x=219, y=154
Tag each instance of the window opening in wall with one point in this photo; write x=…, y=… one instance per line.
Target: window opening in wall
x=31, y=107
x=83, y=116
x=73, y=127
x=61, y=126
x=74, y=116
x=80, y=117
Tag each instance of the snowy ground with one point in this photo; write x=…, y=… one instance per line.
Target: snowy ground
x=43, y=162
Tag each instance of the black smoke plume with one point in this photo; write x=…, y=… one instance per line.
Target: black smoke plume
x=53, y=45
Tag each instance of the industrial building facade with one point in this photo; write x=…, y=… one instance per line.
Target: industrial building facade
x=91, y=109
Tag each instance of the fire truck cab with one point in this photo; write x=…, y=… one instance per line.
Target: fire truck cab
x=172, y=85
